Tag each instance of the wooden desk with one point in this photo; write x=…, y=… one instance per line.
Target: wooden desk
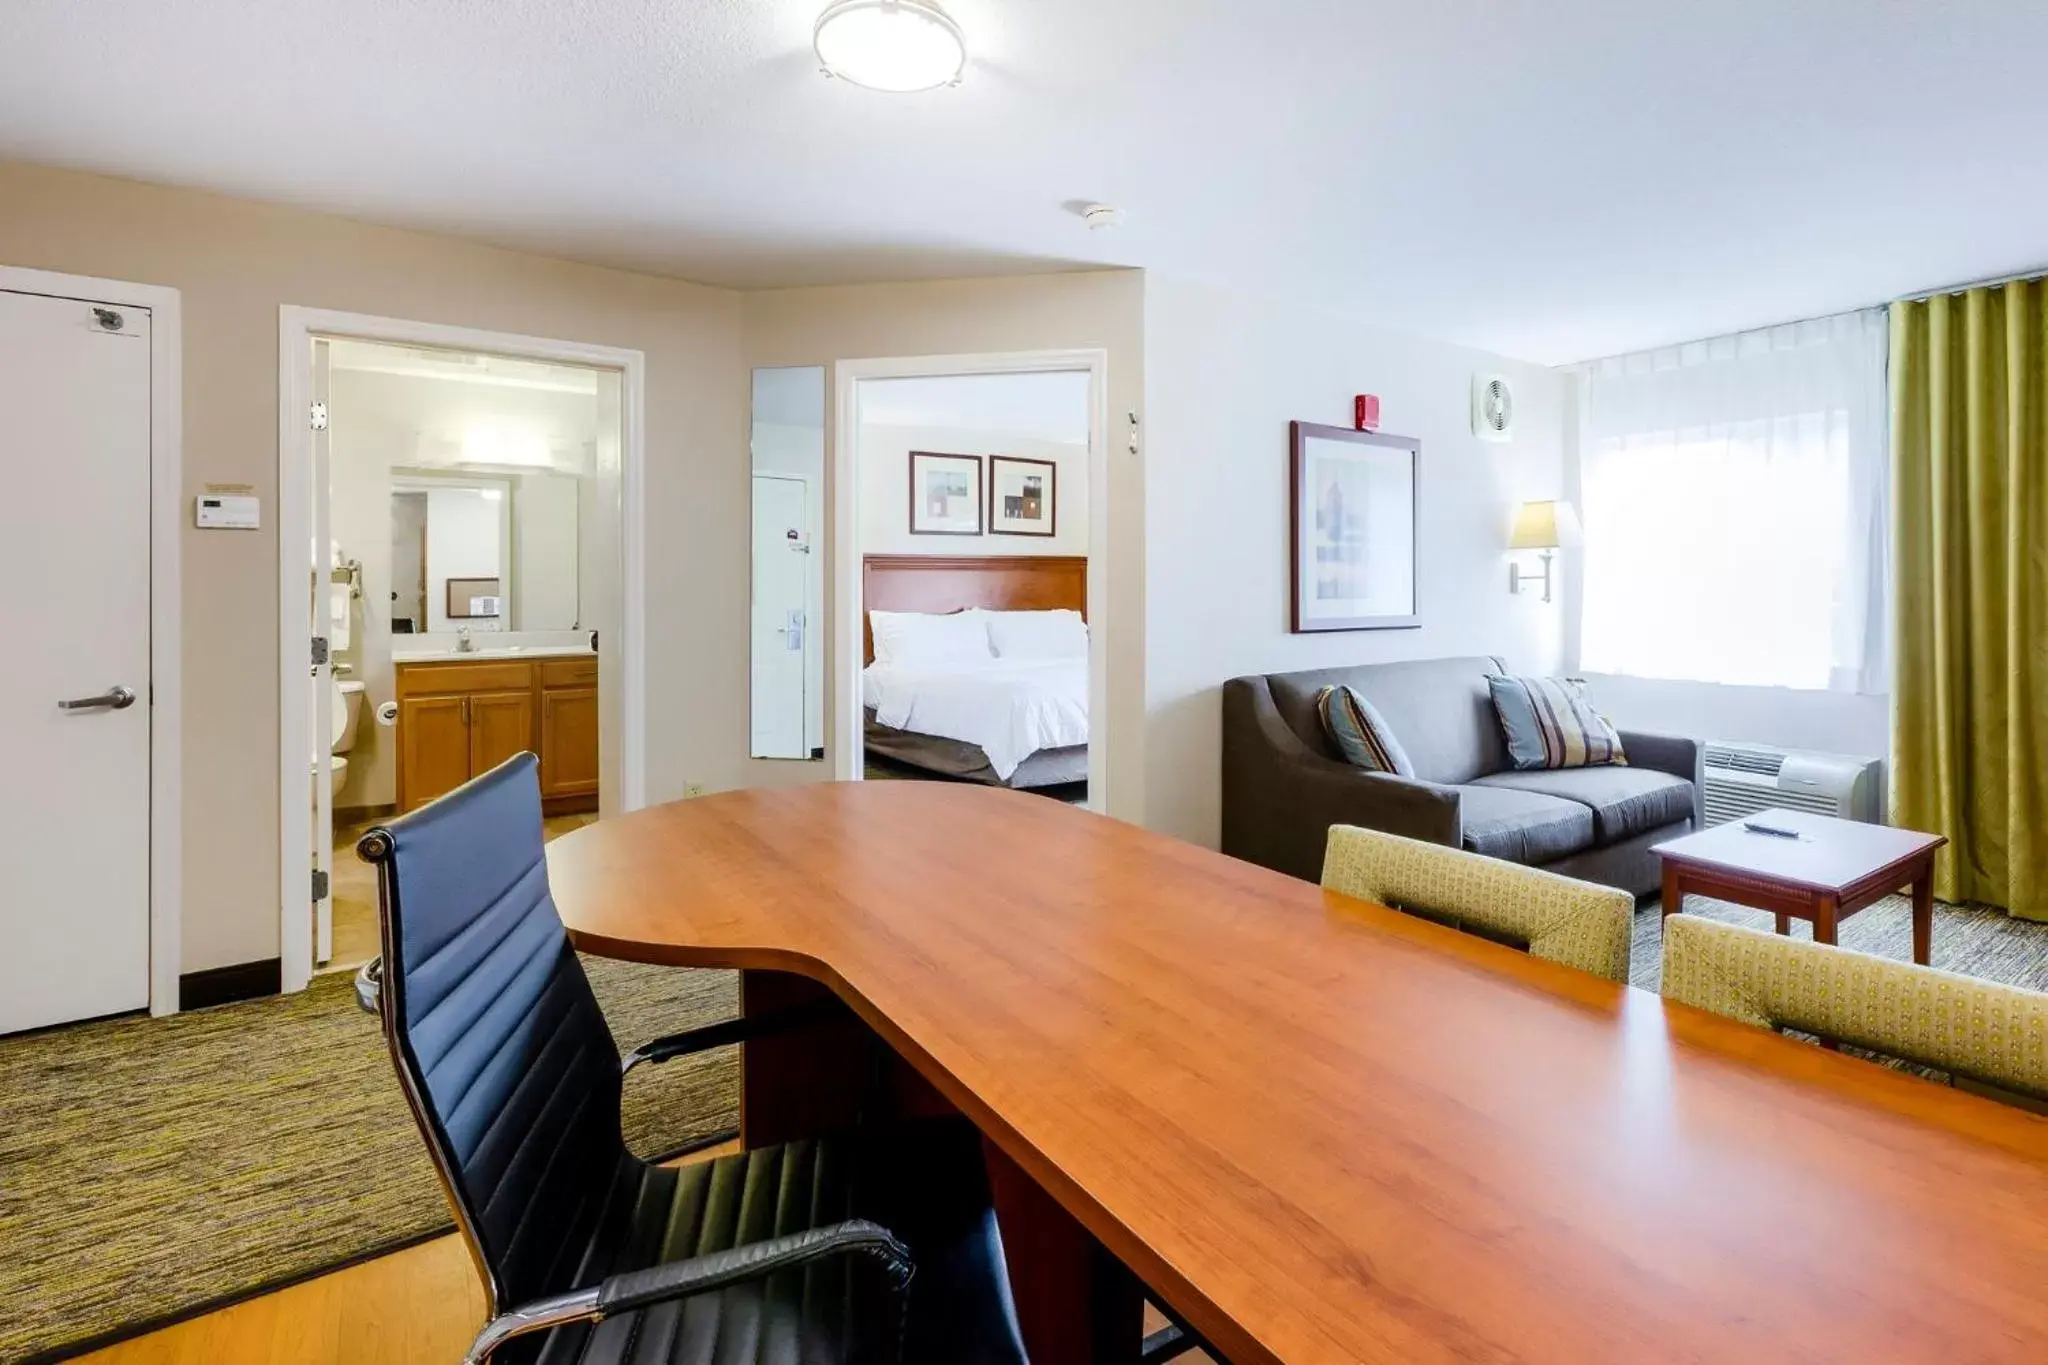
x=1325, y=1132
x=1832, y=870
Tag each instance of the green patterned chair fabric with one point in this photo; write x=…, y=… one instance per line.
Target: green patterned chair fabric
x=1982, y=1031
x=1572, y=922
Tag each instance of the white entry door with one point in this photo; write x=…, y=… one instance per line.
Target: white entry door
x=75, y=693
x=782, y=548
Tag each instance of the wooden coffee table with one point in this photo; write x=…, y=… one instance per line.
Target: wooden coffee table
x=1832, y=870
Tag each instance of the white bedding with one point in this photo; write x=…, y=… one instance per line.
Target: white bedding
x=1012, y=708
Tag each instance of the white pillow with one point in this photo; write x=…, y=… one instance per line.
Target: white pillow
x=1058, y=634
x=914, y=637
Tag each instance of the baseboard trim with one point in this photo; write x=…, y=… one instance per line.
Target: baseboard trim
x=225, y=985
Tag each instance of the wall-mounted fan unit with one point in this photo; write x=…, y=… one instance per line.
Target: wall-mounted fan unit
x=1493, y=407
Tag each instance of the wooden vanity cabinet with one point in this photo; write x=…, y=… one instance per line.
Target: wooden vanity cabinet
x=459, y=718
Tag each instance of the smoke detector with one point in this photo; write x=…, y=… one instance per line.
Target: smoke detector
x=1493, y=407
x=1101, y=216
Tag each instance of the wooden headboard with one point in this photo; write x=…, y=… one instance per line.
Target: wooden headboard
x=939, y=584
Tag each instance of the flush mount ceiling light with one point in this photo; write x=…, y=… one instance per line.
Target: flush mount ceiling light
x=901, y=46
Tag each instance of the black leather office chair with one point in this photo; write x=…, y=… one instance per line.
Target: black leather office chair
x=871, y=1247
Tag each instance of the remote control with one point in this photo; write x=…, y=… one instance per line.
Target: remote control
x=1775, y=831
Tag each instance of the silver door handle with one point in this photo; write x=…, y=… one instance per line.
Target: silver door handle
x=113, y=699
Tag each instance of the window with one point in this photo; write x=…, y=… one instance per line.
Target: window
x=1734, y=500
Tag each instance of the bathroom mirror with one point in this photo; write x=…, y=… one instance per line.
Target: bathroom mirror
x=494, y=552
x=788, y=461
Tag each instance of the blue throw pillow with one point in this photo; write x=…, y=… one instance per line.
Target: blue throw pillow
x=1359, y=732
x=1550, y=724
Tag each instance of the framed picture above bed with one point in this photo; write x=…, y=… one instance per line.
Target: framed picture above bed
x=1355, y=500
x=945, y=494
x=1023, y=496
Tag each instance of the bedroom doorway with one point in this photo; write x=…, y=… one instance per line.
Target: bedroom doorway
x=968, y=511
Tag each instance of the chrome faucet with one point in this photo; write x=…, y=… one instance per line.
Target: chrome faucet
x=463, y=644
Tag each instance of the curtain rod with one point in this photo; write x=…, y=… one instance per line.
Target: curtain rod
x=1988, y=282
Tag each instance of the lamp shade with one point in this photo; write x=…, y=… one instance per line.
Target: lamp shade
x=1544, y=526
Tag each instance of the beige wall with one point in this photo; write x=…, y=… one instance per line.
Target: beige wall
x=235, y=262
x=951, y=317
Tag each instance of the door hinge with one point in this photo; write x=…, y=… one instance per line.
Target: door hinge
x=319, y=650
x=319, y=884
x=318, y=417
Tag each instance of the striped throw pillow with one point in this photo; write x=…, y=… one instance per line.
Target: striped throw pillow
x=1550, y=724
x=1359, y=732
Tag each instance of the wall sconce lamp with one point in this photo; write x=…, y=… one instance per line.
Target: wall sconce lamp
x=1545, y=526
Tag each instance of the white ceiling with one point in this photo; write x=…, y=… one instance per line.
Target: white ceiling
x=1550, y=180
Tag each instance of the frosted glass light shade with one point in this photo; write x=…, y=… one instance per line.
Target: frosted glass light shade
x=901, y=46
x=1544, y=526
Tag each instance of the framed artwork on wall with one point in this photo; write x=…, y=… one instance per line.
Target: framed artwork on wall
x=1023, y=496
x=945, y=494
x=471, y=599
x=1354, y=505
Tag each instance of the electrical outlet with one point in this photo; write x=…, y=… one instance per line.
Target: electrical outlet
x=691, y=789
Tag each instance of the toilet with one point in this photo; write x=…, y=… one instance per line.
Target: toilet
x=348, y=711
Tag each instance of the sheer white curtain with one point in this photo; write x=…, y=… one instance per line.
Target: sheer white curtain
x=1735, y=494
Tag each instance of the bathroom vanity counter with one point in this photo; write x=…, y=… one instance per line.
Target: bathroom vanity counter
x=461, y=714
x=452, y=655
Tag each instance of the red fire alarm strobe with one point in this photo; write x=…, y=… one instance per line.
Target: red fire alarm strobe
x=1365, y=411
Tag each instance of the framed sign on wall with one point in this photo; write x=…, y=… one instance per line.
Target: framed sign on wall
x=1355, y=501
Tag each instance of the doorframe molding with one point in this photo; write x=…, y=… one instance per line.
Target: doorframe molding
x=842, y=465
x=166, y=607
x=297, y=326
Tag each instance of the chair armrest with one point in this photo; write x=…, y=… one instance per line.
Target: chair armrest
x=729, y=1031
x=1280, y=797
x=1672, y=754
x=698, y=1275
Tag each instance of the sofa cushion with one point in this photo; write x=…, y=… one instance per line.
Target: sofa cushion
x=1548, y=723
x=1624, y=801
x=1522, y=826
x=1360, y=733
x=1439, y=707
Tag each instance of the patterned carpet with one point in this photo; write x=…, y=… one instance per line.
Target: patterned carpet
x=149, y=1167
x=1972, y=940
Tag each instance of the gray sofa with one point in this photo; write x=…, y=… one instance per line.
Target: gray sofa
x=1284, y=784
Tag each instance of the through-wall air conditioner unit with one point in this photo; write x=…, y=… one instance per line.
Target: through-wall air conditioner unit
x=1742, y=779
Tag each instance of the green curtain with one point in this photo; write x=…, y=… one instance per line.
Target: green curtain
x=1969, y=396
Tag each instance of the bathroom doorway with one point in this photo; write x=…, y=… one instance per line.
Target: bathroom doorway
x=467, y=500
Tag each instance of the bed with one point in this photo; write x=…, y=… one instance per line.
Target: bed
x=1017, y=719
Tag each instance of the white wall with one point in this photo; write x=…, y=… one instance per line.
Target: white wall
x=1834, y=722
x=465, y=539
x=1224, y=374
x=544, y=553
x=885, y=488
